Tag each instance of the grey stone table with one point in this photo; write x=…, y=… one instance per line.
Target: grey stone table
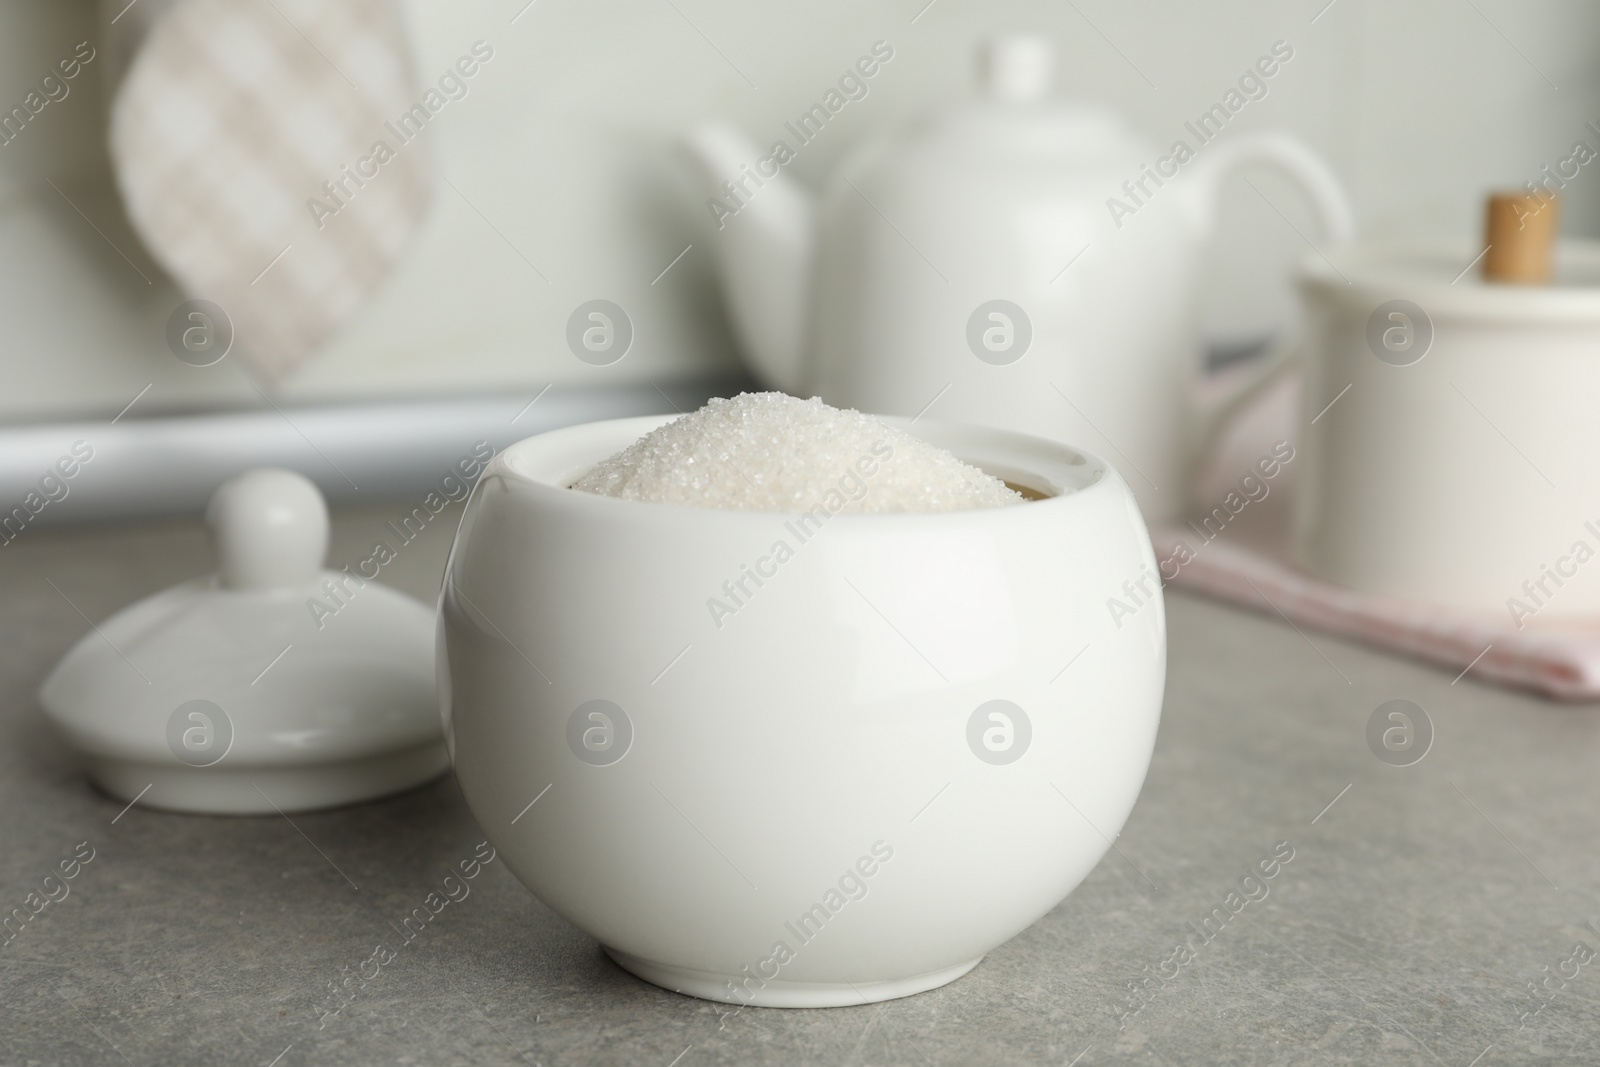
x=1420, y=908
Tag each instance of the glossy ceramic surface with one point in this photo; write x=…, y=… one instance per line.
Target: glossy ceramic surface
x=807, y=799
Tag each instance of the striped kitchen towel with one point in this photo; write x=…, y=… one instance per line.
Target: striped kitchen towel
x=1561, y=661
x=249, y=143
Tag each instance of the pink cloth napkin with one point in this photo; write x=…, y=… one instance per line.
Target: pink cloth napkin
x=254, y=147
x=1243, y=561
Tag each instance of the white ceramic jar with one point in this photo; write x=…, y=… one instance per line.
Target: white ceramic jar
x=914, y=735
x=1457, y=463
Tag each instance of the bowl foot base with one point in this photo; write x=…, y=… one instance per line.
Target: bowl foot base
x=777, y=993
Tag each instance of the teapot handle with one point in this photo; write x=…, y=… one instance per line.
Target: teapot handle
x=1291, y=157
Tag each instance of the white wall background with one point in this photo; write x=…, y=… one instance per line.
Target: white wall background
x=565, y=143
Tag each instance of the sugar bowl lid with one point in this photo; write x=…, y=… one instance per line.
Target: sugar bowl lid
x=273, y=685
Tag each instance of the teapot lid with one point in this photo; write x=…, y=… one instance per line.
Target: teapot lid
x=1016, y=68
x=1013, y=114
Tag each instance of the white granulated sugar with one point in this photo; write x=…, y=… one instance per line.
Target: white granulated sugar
x=772, y=452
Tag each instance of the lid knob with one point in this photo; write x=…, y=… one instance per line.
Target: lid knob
x=269, y=528
x=1520, y=232
x=1016, y=68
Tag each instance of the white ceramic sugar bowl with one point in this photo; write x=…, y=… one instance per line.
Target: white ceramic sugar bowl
x=908, y=742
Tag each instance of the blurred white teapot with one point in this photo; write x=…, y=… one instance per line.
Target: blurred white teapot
x=1012, y=262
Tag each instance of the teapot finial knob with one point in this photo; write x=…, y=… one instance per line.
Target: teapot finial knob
x=1016, y=68
x=269, y=527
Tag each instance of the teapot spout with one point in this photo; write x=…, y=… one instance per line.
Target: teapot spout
x=763, y=245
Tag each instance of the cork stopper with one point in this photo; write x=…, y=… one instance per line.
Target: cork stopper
x=1520, y=231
